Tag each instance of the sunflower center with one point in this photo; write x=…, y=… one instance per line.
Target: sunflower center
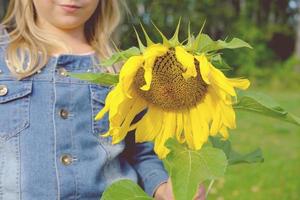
x=169, y=90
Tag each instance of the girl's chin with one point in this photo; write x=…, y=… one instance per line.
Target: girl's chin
x=69, y=23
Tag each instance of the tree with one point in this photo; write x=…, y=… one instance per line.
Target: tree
x=3, y=5
x=297, y=49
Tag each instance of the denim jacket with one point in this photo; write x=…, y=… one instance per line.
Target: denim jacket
x=50, y=147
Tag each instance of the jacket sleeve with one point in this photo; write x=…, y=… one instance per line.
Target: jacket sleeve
x=148, y=166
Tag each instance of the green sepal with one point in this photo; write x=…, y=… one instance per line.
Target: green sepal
x=188, y=168
x=234, y=157
x=196, y=43
x=190, y=39
x=265, y=105
x=141, y=45
x=174, y=41
x=98, y=78
x=165, y=40
x=125, y=189
x=149, y=41
x=120, y=56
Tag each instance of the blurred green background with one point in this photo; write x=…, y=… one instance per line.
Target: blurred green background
x=272, y=27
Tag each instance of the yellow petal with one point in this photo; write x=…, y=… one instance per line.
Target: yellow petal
x=213, y=100
x=155, y=51
x=187, y=127
x=187, y=60
x=130, y=67
x=228, y=116
x=121, y=112
x=147, y=128
x=205, y=68
x=216, y=121
x=118, y=109
x=114, y=99
x=108, y=101
x=240, y=83
x=214, y=76
x=137, y=107
x=102, y=112
x=167, y=131
x=221, y=81
x=170, y=126
x=200, y=130
x=205, y=108
x=150, y=54
x=224, y=133
x=128, y=72
x=179, y=128
x=111, y=132
x=148, y=73
x=221, y=95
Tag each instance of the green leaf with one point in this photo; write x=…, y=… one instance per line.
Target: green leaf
x=218, y=45
x=202, y=41
x=234, y=157
x=120, y=56
x=252, y=157
x=204, y=44
x=188, y=168
x=262, y=104
x=124, y=190
x=98, y=78
x=220, y=63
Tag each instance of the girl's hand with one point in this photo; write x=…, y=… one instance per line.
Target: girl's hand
x=165, y=192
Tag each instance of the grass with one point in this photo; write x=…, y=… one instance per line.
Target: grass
x=278, y=178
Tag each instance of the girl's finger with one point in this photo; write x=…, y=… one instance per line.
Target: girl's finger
x=200, y=195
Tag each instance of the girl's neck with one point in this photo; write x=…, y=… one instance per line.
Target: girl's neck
x=76, y=54
x=74, y=38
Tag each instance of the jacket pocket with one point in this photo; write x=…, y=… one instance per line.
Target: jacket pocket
x=99, y=127
x=98, y=96
x=14, y=107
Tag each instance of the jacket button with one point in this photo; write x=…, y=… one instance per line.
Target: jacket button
x=3, y=90
x=62, y=71
x=64, y=113
x=66, y=159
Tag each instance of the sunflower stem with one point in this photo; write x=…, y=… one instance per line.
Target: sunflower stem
x=209, y=188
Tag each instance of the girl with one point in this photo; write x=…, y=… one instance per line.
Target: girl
x=49, y=143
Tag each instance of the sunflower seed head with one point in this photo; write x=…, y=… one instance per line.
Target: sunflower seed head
x=169, y=90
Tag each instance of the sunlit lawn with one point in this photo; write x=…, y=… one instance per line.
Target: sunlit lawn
x=278, y=178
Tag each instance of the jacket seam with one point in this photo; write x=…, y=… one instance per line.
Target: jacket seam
x=54, y=134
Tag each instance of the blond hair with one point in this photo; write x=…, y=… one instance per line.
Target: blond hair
x=24, y=34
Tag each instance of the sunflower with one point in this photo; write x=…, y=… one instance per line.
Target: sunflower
x=185, y=95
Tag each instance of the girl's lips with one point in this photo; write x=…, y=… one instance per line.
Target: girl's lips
x=70, y=8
